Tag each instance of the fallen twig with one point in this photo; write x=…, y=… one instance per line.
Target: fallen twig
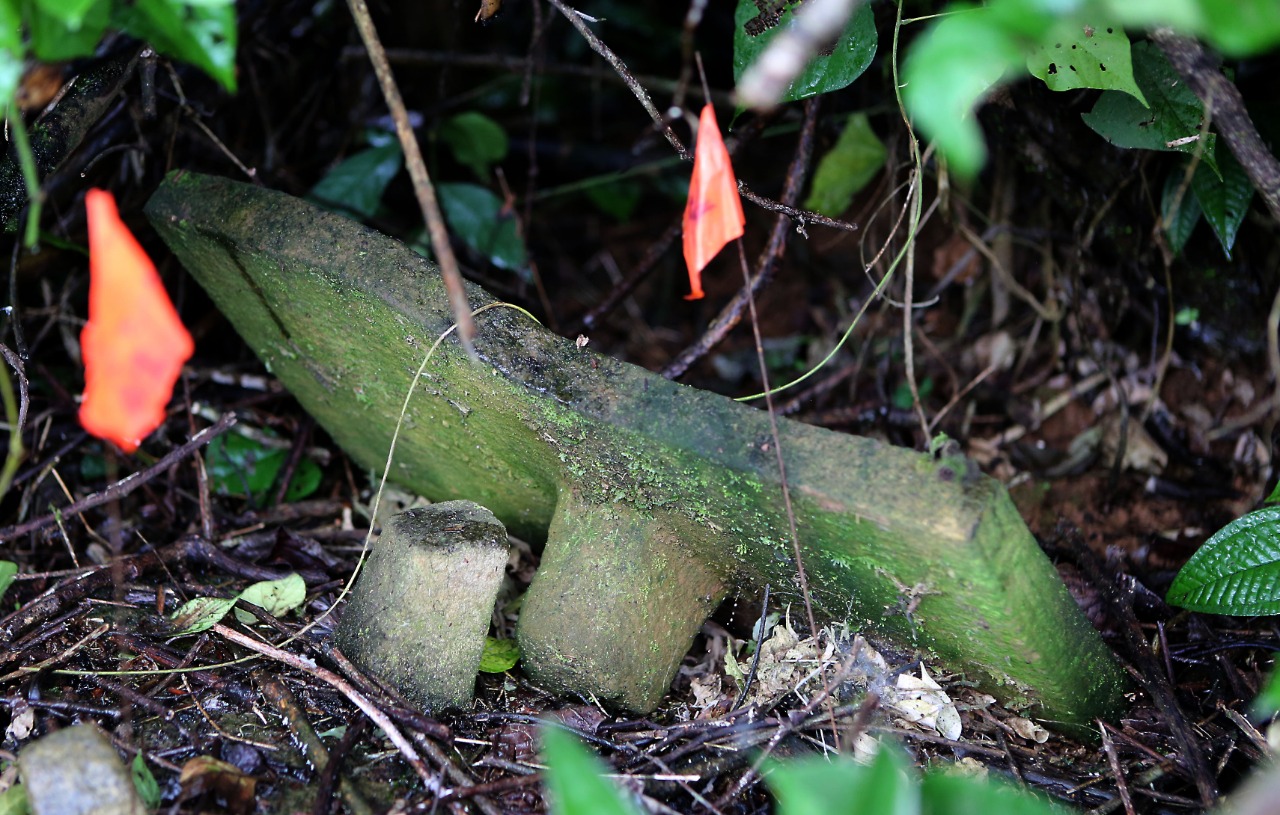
x=127, y=484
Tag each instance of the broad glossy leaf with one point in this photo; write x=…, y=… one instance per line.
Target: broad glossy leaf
x=13, y=801
x=355, y=186
x=1224, y=200
x=1180, y=222
x=854, y=160
x=478, y=217
x=574, y=778
x=476, y=140
x=1267, y=702
x=201, y=32
x=1086, y=56
x=1174, y=117
x=1237, y=571
x=852, y=54
x=201, y=614
x=499, y=655
x=817, y=786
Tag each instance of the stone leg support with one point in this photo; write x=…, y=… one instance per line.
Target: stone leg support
x=615, y=603
x=420, y=610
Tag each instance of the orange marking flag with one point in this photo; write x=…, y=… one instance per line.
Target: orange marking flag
x=713, y=215
x=134, y=344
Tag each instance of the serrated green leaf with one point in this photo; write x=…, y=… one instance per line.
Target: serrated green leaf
x=851, y=55
x=201, y=614
x=201, y=32
x=478, y=217
x=818, y=786
x=1175, y=115
x=853, y=161
x=1235, y=572
x=956, y=794
x=8, y=571
x=1224, y=200
x=1180, y=222
x=355, y=186
x=499, y=656
x=1086, y=56
x=144, y=782
x=476, y=141
x=574, y=778
x=951, y=66
x=276, y=597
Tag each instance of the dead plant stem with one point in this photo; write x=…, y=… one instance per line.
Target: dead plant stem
x=422, y=186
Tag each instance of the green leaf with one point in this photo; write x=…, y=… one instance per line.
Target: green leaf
x=55, y=38
x=499, y=655
x=955, y=794
x=1237, y=571
x=144, y=782
x=69, y=12
x=8, y=571
x=573, y=778
x=201, y=614
x=852, y=53
x=818, y=786
x=1267, y=702
x=1085, y=56
x=202, y=32
x=476, y=140
x=1178, y=223
x=1224, y=200
x=238, y=465
x=478, y=217
x=355, y=186
x=617, y=198
x=951, y=66
x=853, y=161
x=13, y=801
x=276, y=597
x=1175, y=114
x=1274, y=497
x=1241, y=27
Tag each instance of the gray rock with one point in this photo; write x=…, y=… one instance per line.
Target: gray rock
x=76, y=771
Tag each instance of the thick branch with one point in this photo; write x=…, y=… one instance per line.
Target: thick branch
x=1220, y=95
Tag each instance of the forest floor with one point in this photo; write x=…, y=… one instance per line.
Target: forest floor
x=1047, y=347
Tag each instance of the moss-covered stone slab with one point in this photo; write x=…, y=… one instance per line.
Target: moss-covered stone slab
x=420, y=610
x=564, y=444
